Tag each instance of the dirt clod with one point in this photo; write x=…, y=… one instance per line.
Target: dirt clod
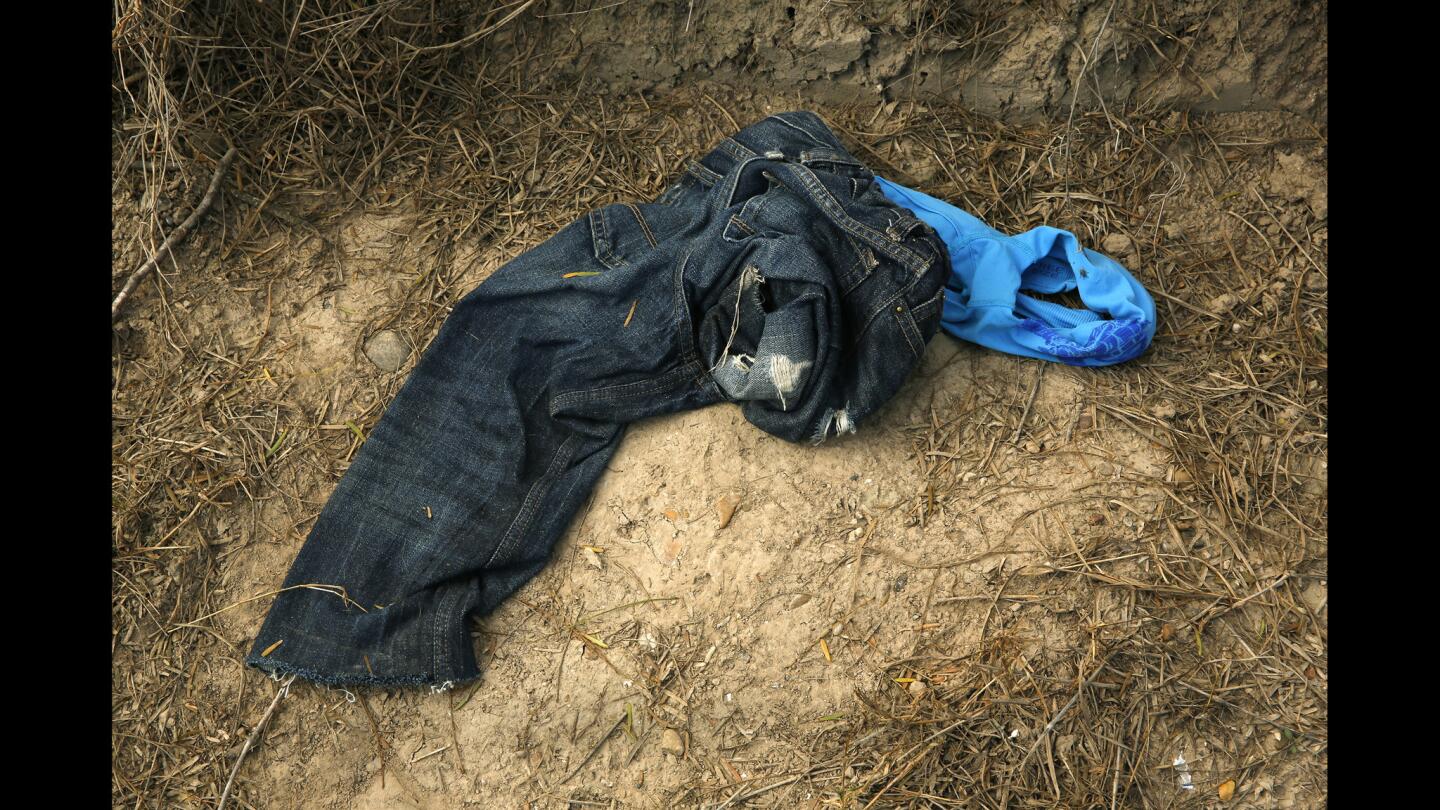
x=1118, y=245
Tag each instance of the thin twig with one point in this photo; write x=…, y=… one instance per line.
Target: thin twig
x=1030, y=403
x=175, y=237
x=1054, y=721
x=254, y=735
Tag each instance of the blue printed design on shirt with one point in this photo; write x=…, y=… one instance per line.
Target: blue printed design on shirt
x=1110, y=342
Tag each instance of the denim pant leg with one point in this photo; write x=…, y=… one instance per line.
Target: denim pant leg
x=476, y=468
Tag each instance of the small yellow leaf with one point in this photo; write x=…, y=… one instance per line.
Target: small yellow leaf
x=672, y=514
x=904, y=680
x=582, y=273
x=825, y=648
x=271, y=648
x=1227, y=790
x=597, y=642
x=633, y=304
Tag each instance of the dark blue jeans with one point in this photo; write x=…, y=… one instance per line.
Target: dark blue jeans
x=774, y=274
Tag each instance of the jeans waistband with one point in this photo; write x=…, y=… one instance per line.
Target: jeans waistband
x=789, y=158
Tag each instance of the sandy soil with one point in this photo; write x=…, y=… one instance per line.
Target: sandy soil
x=727, y=656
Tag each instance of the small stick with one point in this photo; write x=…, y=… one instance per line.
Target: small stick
x=1054, y=721
x=250, y=741
x=175, y=237
x=593, y=751
x=1034, y=389
x=455, y=733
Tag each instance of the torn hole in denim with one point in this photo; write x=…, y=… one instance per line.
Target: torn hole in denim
x=836, y=422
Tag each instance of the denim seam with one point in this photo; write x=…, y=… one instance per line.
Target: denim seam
x=275, y=666
x=887, y=306
x=780, y=119
x=600, y=235
x=644, y=226
x=859, y=271
x=707, y=176
x=736, y=150
x=613, y=393
x=748, y=213
x=532, y=500
x=739, y=224
x=829, y=155
x=907, y=325
x=446, y=605
x=923, y=311
x=689, y=353
x=732, y=184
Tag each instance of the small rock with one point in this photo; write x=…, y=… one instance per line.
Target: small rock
x=1117, y=244
x=725, y=508
x=1173, y=231
x=917, y=689
x=799, y=599
x=1032, y=447
x=671, y=743
x=591, y=558
x=1096, y=519
x=387, y=350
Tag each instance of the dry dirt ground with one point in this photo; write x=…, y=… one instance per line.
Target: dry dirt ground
x=1019, y=584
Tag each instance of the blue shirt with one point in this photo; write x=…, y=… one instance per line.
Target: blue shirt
x=984, y=303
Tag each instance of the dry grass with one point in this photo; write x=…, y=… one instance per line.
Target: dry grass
x=1185, y=605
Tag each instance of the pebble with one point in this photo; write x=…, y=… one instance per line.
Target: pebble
x=671, y=743
x=387, y=350
x=725, y=509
